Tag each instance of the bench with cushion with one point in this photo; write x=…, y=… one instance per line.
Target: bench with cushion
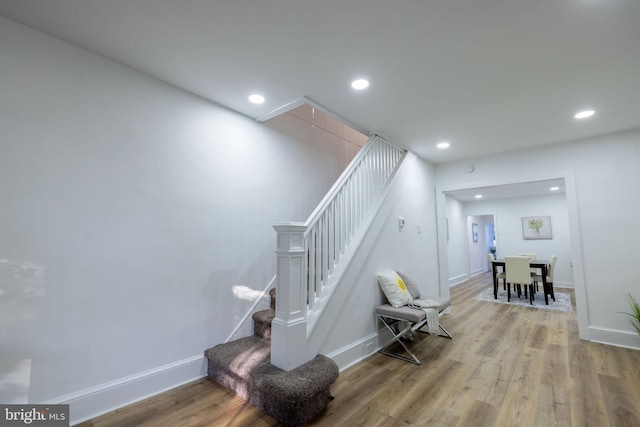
x=400, y=318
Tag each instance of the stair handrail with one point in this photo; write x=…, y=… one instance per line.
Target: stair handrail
x=342, y=180
x=333, y=223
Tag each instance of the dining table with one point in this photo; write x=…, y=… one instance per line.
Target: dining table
x=534, y=263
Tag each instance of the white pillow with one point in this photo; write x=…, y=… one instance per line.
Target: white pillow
x=411, y=286
x=394, y=288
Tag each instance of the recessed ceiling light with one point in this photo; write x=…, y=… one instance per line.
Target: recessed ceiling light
x=584, y=114
x=554, y=188
x=442, y=145
x=360, y=84
x=256, y=99
x=478, y=196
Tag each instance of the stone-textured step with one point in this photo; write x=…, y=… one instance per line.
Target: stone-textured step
x=292, y=398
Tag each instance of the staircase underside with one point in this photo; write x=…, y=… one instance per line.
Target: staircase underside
x=292, y=398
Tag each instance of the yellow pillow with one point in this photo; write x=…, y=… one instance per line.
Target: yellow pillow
x=394, y=288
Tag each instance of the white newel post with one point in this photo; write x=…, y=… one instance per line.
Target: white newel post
x=289, y=327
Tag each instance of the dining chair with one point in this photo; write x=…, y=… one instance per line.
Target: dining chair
x=518, y=273
x=537, y=278
x=499, y=275
x=531, y=257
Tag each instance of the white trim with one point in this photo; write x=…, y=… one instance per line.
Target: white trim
x=98, y=400
x=356, y=352
x=615, y=337
x=281, y=110
x=306, y=100
x=563, y=285
x=575, y=237
x=477, y=272
x=341, y=119
x=504, y=181
x=442, y=242
x=453, y=281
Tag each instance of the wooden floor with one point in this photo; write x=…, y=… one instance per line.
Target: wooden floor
x=506, y=366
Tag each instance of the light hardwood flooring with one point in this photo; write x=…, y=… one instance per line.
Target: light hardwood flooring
x=506, y=366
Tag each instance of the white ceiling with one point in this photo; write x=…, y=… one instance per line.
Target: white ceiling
x=488, y=76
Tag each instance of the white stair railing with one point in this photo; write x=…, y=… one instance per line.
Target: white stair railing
x=333, y=223
x=309, y=253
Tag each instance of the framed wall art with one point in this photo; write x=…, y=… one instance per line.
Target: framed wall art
x=536, y=227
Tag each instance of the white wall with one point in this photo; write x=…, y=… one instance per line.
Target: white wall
x=136, y=223
x=602, y=177
x=457, y=243
x=508, y=223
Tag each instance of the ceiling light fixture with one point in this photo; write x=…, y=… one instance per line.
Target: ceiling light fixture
x=360, y=84
x=442, y=145
x=256, y=99
x=584, y=114
x=478, y=196
x=554, y=188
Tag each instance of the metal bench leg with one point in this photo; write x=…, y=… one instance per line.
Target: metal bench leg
x=396, y=338
x=446, y=333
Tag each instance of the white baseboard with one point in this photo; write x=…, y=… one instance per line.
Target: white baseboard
x=351, y=354
x=95, y=401
x=477, y=272
x=566, y=285
x=614, y=337
x=457, y=280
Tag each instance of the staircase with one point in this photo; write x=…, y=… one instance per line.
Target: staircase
x=291, y=397
x=313, y=257
x=286, y=377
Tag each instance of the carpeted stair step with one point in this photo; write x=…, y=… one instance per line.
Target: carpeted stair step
x=292, y=398
x=272, y=294
x=262, y=323
x=262, y=319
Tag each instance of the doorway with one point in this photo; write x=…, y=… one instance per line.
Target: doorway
x=452, y=199
x=481, y=232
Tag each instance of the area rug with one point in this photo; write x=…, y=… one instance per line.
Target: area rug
x=562, y=302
